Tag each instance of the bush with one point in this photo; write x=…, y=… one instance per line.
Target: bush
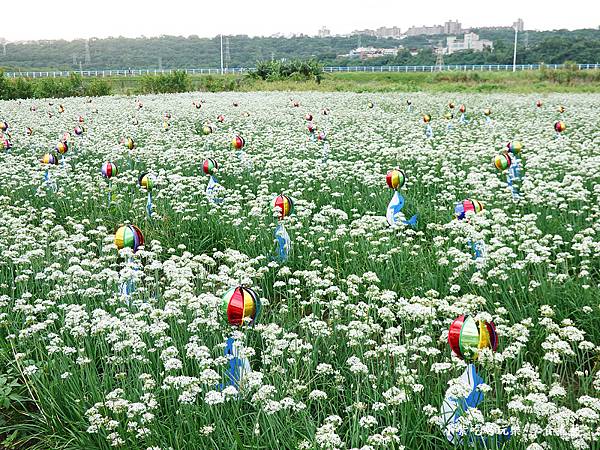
x=212, y=83
x=73, y=86
x=177, y=81
x=296, y=69
x=98, y=88
x=4, y=86
x=22, y=88
x=50, y=88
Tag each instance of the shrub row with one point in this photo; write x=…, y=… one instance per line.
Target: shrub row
x=168, y=83
x=73, y=86
x=295, y=69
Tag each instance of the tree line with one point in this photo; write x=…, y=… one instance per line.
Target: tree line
x=178, y=52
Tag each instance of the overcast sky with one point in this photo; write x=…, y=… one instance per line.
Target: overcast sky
x=64, y=19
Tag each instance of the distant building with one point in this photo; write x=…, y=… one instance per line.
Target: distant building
x=324, y=32
x=387, y=32
x=519, y=25
x=430, y=31
x=453, y=27
x=449, y=27
x=470, y=41
x=381, y=32
x=365, y=32
x=497, y=28
x=371, y=52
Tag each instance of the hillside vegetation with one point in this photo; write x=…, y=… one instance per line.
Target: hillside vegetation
x=178, y=52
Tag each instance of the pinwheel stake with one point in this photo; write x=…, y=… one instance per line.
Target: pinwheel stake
x=48, y=160
x=510, y=160
x=210, y=167
x=559, y=127
x=322, y=137
x=283, y=206
x=515, y=169
x=128, y=236
x=395, y=179
x=109, y=170
x=147, y=181
x=428, y=129
x=461, y=210
x=238, y=143
x=62, y=147
x=463, y=119
x=241, y=307
x=449, y=116
x=487, y=112
x=467, y=337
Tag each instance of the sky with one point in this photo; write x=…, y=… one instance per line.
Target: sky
x=64, y=19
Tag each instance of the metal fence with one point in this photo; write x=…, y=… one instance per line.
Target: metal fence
x=240, y=70
x=457, y=67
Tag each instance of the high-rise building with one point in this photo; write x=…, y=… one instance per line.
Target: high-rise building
x=430, y=31
x=519, y=25
x=386, y=32
x=324, y=32
x=451, y=27
x=365, y=32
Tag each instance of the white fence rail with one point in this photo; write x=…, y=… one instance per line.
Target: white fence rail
x=240, y=70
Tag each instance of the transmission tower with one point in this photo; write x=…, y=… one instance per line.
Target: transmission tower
x=75, y=59
x=526, y=39
x=227, y=54
x=88, y=58
x=439, y=60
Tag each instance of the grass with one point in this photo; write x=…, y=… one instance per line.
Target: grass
x=352, y=288
x=544, y=81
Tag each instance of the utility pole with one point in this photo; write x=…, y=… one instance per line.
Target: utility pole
x=88, y=58
x=515, y=50
x=227, y=54
x=221, y=53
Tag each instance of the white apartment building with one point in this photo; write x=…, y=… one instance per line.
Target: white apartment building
x=371, y=52
x=470, y=41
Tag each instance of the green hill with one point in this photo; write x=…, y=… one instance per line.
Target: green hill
x=171, y=52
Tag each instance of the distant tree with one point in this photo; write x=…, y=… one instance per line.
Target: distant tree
x=179, y=52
